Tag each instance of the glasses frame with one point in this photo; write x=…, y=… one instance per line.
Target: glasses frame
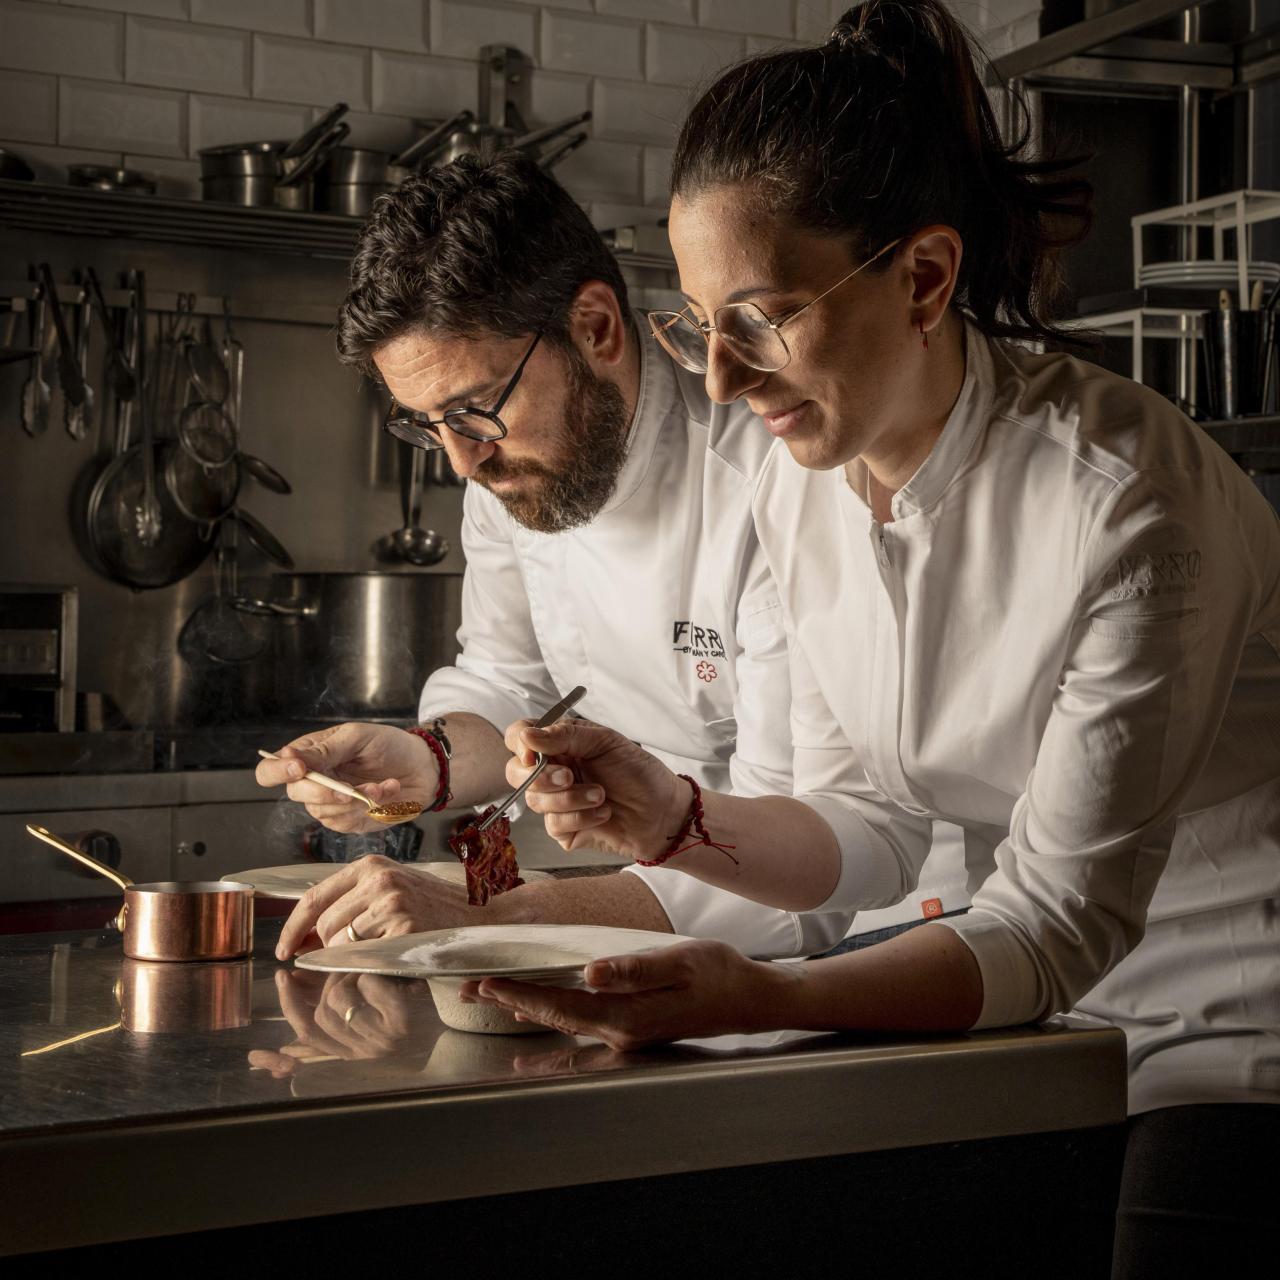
x=707, y=329
x=422, y=425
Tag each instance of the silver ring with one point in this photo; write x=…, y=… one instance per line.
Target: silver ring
x=351, y=1013
x=352, y=935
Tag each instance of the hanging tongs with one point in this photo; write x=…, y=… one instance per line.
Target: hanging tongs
x=121, y=377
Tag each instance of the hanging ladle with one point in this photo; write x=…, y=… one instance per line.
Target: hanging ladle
x=388, y=814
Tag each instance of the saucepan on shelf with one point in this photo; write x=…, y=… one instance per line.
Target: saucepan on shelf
x=271, y=173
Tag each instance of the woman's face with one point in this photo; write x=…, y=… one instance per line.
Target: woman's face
x=855, y=356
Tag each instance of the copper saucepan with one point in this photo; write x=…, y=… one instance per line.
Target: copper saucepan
x=175, y=919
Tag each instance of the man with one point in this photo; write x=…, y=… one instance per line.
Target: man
x=608, y=537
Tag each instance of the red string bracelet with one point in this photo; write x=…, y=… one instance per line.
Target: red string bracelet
x=692, y=823
x=443, y=794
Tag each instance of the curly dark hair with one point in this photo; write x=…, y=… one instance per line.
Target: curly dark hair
x=882, y=130
x=477, y=247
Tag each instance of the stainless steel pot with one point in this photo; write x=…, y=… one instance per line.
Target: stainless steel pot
x=352, y=645
x=266, y=173
x=351, y=199
x=352, y=178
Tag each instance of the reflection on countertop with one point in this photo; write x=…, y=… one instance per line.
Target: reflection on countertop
x=88, y=1037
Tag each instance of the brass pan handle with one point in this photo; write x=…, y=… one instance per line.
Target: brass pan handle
x=41, y=833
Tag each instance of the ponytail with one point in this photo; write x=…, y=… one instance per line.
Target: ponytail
x=885, y=129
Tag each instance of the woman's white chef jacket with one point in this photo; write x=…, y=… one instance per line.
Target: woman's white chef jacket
x=1067, y=641
x=663, y=607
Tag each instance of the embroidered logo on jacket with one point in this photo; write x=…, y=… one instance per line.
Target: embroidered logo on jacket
x=697, y=642
x=1172, y=573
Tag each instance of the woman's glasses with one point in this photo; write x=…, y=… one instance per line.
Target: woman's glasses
x=422, y=431
x=751, y=335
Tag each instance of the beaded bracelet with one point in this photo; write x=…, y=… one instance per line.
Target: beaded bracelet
x=692, y=823
x=443, y=794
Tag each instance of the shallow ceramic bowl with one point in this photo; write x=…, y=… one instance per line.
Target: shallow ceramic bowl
x=486, y=1019
x=546, y=954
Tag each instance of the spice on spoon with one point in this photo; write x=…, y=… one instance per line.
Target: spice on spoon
x=388, y=814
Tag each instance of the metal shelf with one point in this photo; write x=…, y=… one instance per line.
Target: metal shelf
x=79, y=211
x=1105, y=55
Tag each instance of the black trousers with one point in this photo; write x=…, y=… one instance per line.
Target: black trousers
x=1200, y=1193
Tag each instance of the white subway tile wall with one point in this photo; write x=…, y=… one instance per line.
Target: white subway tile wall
x=591, y=45
x=460, y=28
x=95, y=113
x=687, y=58
x=309, y=71
x=409, y=85
x=385, y=24
x=29, y=106
x=215, y=121
x=280, y=17
x=150, y=82
x=182, y=55
x=638, y=112
x=751, y=17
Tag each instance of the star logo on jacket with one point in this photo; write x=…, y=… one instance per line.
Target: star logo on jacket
x=707, y=671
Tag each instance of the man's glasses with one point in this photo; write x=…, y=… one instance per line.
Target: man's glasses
x=751, y=335
x=422, y=431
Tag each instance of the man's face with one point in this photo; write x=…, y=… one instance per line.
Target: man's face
x=566, y=427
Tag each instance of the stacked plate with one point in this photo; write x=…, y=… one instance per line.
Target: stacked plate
x=1204, y=274
x=293, y=880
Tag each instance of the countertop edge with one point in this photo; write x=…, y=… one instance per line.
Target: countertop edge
x=153, y=1179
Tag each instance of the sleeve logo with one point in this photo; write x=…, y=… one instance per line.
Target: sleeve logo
x=1173, y=573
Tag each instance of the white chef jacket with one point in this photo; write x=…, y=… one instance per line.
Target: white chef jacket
x=663, y=607
x=1066, y=641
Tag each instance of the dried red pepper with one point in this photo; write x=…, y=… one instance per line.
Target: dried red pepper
x=488, y=856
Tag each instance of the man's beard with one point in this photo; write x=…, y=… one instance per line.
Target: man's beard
x=587, y=454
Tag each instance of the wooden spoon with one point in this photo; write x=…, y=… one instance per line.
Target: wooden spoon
x=388, y=814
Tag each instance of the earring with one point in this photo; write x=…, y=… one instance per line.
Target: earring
x=924, y=337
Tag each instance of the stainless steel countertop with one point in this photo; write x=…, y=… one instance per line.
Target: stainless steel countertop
x=123, y=1134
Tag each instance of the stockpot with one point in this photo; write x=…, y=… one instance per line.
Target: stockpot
x=352, y=645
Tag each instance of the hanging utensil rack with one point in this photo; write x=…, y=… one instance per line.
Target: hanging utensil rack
x=22, y=292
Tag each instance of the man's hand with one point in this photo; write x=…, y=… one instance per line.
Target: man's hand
x=600, y=789
x=693, y=989
x=381, y=761
x=379, y=898
x=347, y=1015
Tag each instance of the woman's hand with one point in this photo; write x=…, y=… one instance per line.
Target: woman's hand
x=702, y=988
x=381, y=761
x=600, y=789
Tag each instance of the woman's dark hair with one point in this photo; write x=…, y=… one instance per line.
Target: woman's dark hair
x=472, y=248
x=881, y=131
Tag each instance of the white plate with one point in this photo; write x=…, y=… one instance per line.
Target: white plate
x=1206, y=273
x=530, y=952
x=548, y=954
x=293, y=880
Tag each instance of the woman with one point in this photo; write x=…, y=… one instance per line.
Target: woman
x=1024, y=595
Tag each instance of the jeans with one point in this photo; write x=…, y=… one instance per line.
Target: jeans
x=858, y=941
